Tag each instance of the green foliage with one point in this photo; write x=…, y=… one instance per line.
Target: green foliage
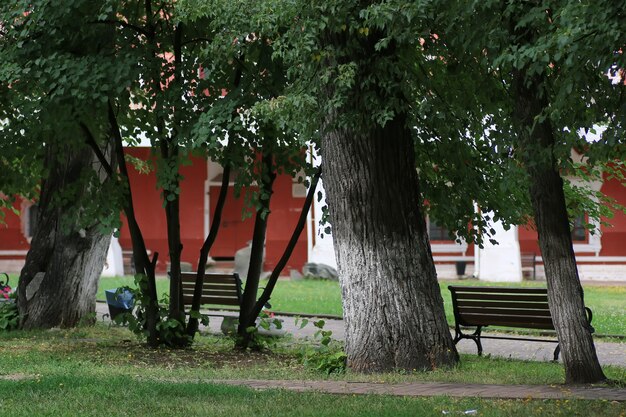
x=171, y=331
x=9, y=316
x=58, y=90
x=566, y=48
x=260, y=341
x=328, y=357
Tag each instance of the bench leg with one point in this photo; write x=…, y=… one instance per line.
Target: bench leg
x=556, y=352
x=458, y=335
x=476, y=339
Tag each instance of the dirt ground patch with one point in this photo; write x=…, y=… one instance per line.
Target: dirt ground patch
x=16, y=377
x=198, y=356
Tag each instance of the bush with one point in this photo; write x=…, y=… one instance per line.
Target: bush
x=9, y=316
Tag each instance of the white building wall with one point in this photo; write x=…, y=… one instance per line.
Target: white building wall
x=323, y=251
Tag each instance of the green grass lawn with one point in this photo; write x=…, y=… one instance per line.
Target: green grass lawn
x=104, y=371
x=324, y=297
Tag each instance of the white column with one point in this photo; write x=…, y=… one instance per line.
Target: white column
x=114, y=266
x=501, y=262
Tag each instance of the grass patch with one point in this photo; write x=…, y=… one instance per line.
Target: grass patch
x=86, y=395
x=307, y=296
x=104, y=371
x=115, y=350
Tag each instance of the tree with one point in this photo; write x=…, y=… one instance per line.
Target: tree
x=183, y=113
x=550, y=65
x=355, y=67
x=259, y=145
x=59, y=280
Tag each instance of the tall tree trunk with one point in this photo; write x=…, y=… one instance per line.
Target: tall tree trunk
x=565, y=294
x=392, y=304
x=282, y=262
x=216, y=221
x=175, y=246
x=143, y=265
x=59, y=281
x=257, y=249
x=169, y=155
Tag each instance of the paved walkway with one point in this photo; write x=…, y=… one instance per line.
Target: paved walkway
x=431, y=389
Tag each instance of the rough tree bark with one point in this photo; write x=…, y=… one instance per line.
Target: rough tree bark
x=565, y=294
x=392, y=304
x=59, y=281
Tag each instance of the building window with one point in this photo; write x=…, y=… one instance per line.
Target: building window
x=438, y=232
x=579, y=231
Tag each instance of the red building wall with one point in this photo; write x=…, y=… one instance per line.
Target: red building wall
x=151, y=216
x=285, y=211
x=613, y=237
x=234, y=232
x=12, y=236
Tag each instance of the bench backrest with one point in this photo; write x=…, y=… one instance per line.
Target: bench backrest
x=501, y=306
x=217, y=289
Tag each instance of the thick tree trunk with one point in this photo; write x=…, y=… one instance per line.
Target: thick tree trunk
x=59, y=280
x=565, y=294
x=392, y=304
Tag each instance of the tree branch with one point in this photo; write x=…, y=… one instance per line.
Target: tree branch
x=91, y=141
x=194, y=40
x=267, y=292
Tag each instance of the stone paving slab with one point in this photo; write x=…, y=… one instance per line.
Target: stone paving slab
x=432, y=389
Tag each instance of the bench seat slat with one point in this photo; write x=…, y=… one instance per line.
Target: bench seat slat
x=227, y=293
x=494, y=320
x=508, y=312
x=230, y=301
x=209, y=287
x=208, y=278
x=502, y=304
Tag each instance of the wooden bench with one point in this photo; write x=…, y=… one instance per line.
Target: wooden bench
x=479, y=307
x=217, y=289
